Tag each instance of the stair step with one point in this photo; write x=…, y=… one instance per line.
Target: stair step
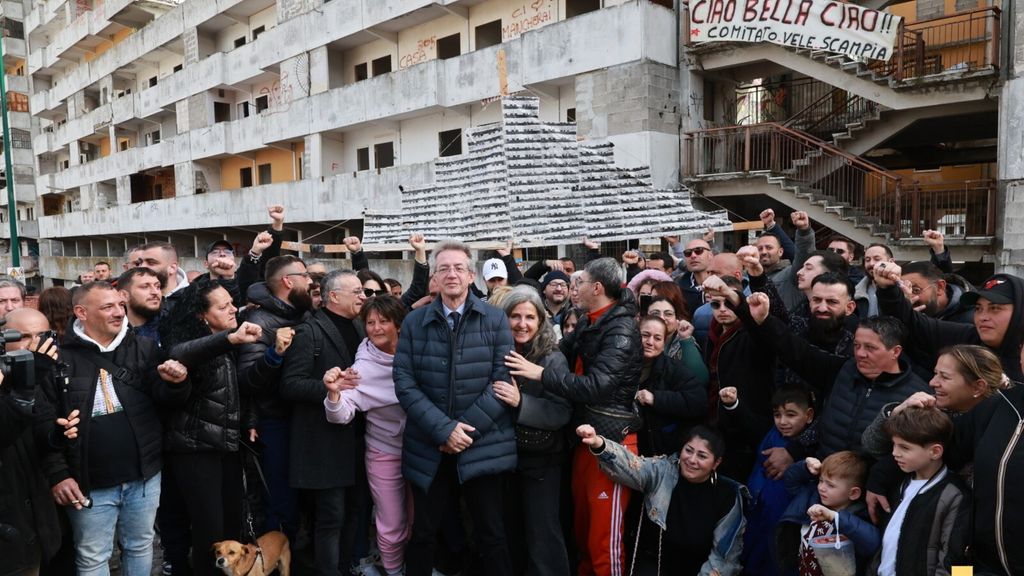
x=851, y=65
x=835, y=59
x=841, y=136
x=855, y=125
x=820, y=54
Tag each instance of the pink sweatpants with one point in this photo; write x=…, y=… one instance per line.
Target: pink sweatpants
x=393, y=504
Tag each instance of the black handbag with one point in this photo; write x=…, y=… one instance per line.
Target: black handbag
x=613, y=423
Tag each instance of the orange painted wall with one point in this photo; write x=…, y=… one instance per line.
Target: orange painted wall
x=284, y=167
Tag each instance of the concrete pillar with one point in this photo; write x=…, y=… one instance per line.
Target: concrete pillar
x=106, y=89
x=181, y=116
x=191, y=40
x=1010, y=156
x=74, y=150
x=124, y=190
x=76, y=105
x=199, y=114
x=184, y=179
x=319, y=72
x=87, y=196
x=312, y=157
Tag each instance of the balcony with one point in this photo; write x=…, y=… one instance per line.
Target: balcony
x=14, y=48
x=339, y=197
x=409, y=92
x=26, y=229
x=13, y=9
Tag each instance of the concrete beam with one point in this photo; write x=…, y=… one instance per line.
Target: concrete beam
x=383, y=34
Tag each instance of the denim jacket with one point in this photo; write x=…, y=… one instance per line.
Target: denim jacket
x=657, y=478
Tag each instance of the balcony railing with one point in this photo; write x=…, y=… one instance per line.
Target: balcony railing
x=957, y=209
x=842, y=182
x=964, y=42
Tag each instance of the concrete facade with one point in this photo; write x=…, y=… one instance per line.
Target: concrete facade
x=182, y=121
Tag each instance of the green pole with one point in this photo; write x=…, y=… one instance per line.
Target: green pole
x=12, y=208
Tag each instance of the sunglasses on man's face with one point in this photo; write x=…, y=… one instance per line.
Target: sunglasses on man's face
x=699, y=251
x=839, y=251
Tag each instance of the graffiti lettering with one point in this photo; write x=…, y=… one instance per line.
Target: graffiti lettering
x=527, y=17
x=425, y=49
x=279, y=95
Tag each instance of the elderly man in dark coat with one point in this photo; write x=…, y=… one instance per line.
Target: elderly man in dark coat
x=459, y=437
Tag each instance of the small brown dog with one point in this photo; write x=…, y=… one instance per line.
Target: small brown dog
x=270, y=552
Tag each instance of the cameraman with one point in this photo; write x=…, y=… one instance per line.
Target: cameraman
x=29, y=529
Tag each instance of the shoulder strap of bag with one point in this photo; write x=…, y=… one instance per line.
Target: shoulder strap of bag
x=119, y=373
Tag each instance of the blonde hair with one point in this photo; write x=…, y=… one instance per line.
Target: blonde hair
x=979, y=363
x=846, y=465
x=498, y=296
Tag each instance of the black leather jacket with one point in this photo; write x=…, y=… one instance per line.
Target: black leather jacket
x=612, y=359
x=210, y=419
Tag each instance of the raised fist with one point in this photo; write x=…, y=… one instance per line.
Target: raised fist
x=246, y=333
x=262, y=242
x=801, y=220
x=727, y=395
x=353, y=243
x=768, y=218
x=760, y=306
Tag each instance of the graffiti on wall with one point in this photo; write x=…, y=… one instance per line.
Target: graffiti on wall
x=535, y=14
x=426, y=48
x=279, y=94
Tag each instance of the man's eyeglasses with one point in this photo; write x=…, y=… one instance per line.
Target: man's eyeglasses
x=840, y=251
x=917, y=290
x=716, y=304
x=370, y=292
x=222, y=254
x=699, y=251
x=458, y=268
x=558, y=284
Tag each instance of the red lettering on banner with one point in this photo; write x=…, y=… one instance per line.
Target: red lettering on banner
x=825, y=18
x=750, y=12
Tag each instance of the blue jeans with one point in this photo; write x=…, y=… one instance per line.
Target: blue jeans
x=129, y=507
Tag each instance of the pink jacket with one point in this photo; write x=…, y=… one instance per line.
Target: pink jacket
x=375, y=395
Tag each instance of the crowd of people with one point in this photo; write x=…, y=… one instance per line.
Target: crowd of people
x=777, y=410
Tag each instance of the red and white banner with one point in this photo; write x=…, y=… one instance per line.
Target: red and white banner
x=815, y=24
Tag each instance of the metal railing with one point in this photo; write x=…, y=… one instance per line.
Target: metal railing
x=843, y=182
x=832, y=113
x=964, y=42
x=810, y=105
x=957, y=209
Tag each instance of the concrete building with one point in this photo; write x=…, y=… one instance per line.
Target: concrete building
x=182, y=121
x=874, y=151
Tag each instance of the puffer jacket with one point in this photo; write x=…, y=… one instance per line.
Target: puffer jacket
x=442, y=378
x=210, y=419
x=851, y=400
x=139, y=391
x=612, y=358
x=271, y=314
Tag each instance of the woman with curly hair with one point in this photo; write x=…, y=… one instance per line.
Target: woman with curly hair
x=202, y=438
x=55, y=304
x=540, y=443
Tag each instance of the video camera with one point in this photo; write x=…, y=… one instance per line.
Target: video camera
x=17, y=365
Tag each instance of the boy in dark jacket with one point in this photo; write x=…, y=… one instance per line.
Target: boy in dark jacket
x=793, y=412
x=827, y=506
x=927, y=531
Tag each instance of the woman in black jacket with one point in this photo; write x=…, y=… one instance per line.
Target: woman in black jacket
x=540, y=417
x=672, y=400
x=202, y=437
